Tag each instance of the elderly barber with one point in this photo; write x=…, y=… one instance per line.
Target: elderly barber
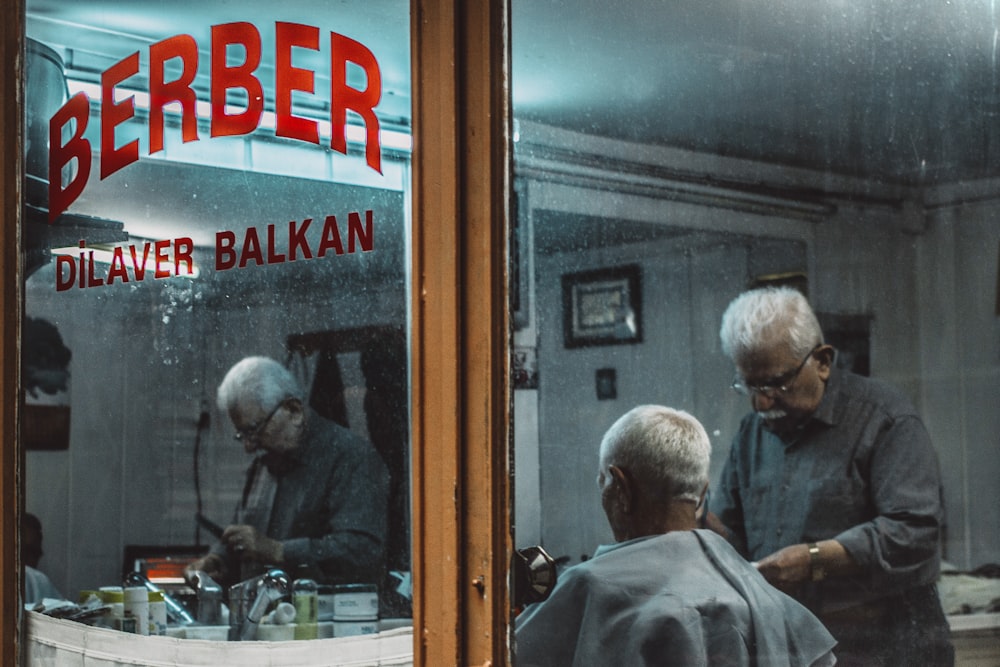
x=665, y=593
x=832, y=486
x=314, y=502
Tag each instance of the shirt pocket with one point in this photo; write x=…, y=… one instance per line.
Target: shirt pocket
x=834, y=504
x=760, y=514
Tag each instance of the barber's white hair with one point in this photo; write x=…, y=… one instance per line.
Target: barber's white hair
x=764, y=317
x=666, y=451
x=259, y=380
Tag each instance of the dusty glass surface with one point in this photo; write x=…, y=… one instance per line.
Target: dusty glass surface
x=248, y=194
x=849, y=149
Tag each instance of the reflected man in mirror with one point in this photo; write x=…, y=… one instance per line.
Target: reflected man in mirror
x=664, y=593
x=314, y=502
x=37, y=586
x=832, y=487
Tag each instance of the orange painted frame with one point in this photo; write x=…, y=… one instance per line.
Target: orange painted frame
x=462, y=186
x=460, y=330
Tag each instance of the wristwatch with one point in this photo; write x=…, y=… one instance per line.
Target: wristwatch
x=816, y=568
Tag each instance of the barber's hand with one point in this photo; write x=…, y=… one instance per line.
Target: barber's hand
x=249, y=544
x=212, y=564
x=786, y=568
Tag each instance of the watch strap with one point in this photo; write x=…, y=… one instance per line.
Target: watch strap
x=817, y=571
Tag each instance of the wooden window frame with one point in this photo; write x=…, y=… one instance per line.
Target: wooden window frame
x=460, y=331
x=461, y=186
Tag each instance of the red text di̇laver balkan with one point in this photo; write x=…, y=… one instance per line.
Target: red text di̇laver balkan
x=174, y=257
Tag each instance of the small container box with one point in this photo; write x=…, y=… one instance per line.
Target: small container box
x=354, y=628
x=355, y=602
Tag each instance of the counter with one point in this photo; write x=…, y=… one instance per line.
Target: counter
x=976, y=638
x=53, y=642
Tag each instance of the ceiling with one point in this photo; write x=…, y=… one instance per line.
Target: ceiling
x=901, y=92
x=904, y=92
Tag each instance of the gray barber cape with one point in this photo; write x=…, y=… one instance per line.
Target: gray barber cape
x=685, y=598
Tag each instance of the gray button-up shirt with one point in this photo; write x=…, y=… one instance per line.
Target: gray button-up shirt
x=861, y=470
x=328, y=509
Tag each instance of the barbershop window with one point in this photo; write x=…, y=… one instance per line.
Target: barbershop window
x=206, y=183
x=669, y=156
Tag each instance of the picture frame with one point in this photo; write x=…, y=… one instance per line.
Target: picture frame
x=602, y=306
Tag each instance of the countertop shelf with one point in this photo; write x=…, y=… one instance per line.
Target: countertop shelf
x=53, y=642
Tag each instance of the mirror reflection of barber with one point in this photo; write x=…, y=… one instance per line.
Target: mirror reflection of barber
x=315, y=497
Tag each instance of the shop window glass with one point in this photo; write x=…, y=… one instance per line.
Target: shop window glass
x=207, y=182
x=669, y=156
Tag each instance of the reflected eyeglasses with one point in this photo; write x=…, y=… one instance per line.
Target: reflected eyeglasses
x=254, y=431
x=777, y=386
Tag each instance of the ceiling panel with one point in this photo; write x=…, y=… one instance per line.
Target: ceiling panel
x=899, y=92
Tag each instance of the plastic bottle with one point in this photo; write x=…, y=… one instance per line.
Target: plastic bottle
x=305, y=597
x=137, y=607
x=157, y=613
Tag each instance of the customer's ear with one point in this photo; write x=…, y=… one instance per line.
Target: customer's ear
x=623, y=487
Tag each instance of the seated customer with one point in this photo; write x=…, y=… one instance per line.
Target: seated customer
x=665, y=594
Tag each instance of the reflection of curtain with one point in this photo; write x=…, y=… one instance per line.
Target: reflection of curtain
x=317, y=358
x=303, y=366
x=383, y=363
x=327, y=394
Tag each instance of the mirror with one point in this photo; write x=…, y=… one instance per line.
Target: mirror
x=229, y=181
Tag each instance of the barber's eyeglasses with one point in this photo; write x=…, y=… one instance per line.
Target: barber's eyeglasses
x=777, y=386
x=254, y=431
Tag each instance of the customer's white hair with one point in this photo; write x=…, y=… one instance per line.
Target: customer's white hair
x=764, y=317
x=666, y=451
x=260, y=380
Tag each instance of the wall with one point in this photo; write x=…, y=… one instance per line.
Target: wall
x=959, y=367
x=927, y=281
x=685, y=286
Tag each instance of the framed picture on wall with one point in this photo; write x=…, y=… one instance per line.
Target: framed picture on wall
x=602, y=306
